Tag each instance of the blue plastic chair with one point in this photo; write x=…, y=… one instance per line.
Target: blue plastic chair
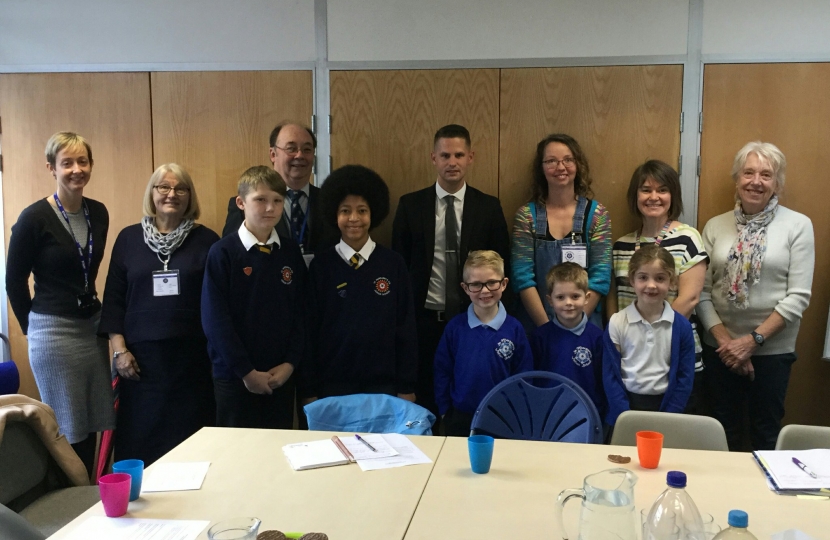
x=538, y=406
x=9, y=375
x=369, y=413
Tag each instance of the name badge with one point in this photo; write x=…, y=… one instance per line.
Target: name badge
x=575, y=253
x=166, y=283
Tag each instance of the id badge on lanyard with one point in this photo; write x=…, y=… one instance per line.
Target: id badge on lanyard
x=575, y=253
x=165, y=283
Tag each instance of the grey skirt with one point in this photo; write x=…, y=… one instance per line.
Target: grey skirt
x=72, y=371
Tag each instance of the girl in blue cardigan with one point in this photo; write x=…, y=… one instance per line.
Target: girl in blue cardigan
x=648, y=348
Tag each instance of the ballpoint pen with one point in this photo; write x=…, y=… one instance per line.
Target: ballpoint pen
x=803, y=467
x=372, y=448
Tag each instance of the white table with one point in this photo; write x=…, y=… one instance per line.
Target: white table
x=517, y=498
x=249, y=476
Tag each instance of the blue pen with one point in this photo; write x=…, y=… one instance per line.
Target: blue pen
x=359, y=438
x=803, y=467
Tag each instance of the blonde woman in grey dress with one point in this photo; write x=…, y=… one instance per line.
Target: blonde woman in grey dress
x=61, y=240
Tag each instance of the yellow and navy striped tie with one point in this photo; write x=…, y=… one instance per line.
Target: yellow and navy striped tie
x=264, y=248
x=354, y=262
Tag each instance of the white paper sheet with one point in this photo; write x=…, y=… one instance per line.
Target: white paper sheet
x=175, y=476
x=104, y=528
x=362, y=452
x=788, y=476
x=408, y=454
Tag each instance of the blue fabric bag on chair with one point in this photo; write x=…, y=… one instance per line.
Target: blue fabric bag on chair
x=9, y=375
x=369, y=413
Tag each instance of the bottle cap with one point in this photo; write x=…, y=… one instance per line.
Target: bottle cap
x=738, y=518
x=676, y=479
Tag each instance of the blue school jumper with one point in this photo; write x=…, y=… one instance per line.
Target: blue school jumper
x=472, y=358
x=575, y=356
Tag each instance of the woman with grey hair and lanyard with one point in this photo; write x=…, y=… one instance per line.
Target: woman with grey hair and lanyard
x=152, y=314
x=755, y=292
x=61, y=240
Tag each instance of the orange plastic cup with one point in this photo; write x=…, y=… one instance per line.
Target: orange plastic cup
x=649, y=448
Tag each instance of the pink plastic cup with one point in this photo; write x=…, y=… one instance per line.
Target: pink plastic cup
x=115, y=493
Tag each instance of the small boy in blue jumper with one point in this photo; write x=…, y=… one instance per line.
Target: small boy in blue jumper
x=479, y=348
x=253, y=299
x=570, y=345
x=648, y=348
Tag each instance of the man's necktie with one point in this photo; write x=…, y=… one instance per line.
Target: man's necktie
x=452, y=298
x=297, y=217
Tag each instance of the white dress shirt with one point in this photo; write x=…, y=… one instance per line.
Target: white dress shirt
x=437, y=288
x=346, y=251
x=249, y=240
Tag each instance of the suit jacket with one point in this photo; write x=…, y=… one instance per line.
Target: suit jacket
x=321, y=235
x=413, y=235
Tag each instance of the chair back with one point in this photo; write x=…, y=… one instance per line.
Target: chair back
x=538, y=406
x=369, y=413
x=9, y=375
x=800, y=437
x=24, y=463
x=679, y=430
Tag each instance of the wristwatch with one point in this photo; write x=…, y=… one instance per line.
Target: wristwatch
x=116, y=354
x=759, y=339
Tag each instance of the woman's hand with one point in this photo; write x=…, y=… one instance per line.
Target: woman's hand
x=280, y=374
x=408, y=397
x=127, y=366
x=738, y=351
x=257, y=382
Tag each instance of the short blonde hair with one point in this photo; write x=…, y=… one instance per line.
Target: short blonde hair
x=567, y=272
x=766, y=151
x=65, y=139
x=260, y=174
x=193, y=211
x=483, y=259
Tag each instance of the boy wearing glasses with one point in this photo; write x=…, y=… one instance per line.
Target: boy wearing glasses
x=569, y=344
x=479, y=348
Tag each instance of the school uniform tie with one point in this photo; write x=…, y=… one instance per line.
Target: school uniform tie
x=452, y=297
x=264, y=248
x=297, y=217
x=354, y=261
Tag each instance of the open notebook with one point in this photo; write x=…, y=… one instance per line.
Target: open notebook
x=785, y=475
x=316, y=454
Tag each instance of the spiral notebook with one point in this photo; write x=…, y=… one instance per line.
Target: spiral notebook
x=316, y=454
x=784, y=475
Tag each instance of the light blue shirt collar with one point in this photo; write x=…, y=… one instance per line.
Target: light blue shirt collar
x=578, y=329
x=495, y=324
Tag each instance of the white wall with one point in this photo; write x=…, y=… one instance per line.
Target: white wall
x=780, y=29
x=389, y=30
x=93, y=32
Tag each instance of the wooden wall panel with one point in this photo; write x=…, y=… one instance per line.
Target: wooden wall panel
x=112, y=111
x=386, y=120
x=216, y=124
x=787, y=105
x=621, y=116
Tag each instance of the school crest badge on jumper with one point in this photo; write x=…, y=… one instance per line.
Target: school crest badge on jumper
x=582, y=357
x=286, y=274
x=505, y=349
x=247, y=270
x=382, y=286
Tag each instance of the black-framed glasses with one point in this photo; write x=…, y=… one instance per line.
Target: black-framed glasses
x=553, y=162
x=292, y=150
x=163, y=189
x=492, y=285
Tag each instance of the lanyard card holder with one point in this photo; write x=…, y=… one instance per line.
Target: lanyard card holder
x=575, y=252
x=165, y=283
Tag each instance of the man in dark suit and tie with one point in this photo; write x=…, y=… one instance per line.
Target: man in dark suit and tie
x=292, y=153
x=424, y=218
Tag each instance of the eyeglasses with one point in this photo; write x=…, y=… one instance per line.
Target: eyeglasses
x=292, y=150
x=178, y=190
x=553, y=163
x=492, y=285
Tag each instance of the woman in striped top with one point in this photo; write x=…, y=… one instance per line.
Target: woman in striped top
x=654, y=195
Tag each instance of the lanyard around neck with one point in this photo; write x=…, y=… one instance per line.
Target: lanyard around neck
x=657, y=239
x=86, y=261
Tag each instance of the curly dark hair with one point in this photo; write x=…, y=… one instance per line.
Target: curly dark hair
x=582, y=182
x=355, y=180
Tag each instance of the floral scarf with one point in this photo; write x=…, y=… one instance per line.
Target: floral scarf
x=743, y=264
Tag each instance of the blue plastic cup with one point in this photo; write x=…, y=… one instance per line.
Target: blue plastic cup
x=135, y=468
x=481, y=452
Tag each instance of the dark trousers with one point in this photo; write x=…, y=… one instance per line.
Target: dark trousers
x=696, y=403
x=457, y=423
x=763, y=398
x=645, y=402
x=237, y=407
x=86, y=451
x=430, y=330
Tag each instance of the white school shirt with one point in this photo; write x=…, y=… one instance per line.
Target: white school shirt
x=249, y=240
x=437, y=288
x=645, y=349
x=345, y=251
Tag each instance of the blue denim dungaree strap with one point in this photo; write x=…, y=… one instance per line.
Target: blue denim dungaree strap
x=548, y=253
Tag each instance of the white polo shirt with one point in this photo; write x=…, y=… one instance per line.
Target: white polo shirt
x=645, y=349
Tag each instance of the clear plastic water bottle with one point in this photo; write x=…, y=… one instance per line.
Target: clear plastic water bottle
x=674, y=514
x=738, y=521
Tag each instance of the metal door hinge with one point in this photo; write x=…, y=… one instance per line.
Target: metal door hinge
x=682, y=117
x=700, y=124
x=698, y=166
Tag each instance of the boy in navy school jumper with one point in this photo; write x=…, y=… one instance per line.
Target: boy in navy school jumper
x=570, y=345
x=362, y=317
x=479, y=348
x=253, y=310
x=648, y=348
